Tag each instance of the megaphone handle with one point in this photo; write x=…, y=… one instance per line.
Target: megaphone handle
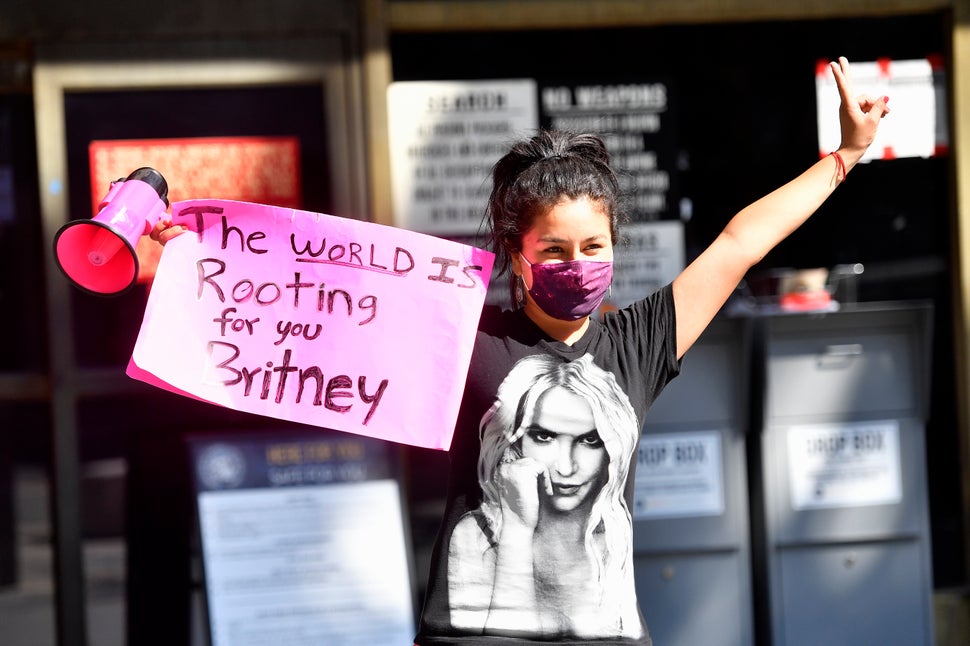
x=110, y=195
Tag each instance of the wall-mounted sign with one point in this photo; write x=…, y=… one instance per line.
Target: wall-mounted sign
x=248, y=169
x=917, y=123
x=636, y=121
x=651, y=256
x=444, y=138
x=302, y=541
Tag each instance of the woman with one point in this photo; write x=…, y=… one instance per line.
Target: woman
x=550, y=544
x=497, y=576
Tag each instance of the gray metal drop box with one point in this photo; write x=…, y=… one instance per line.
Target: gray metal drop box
x=691, y=525
x=839, y=493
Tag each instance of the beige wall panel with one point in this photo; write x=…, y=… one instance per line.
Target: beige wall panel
x=420, y=15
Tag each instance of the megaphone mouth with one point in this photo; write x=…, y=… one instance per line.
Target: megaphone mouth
x=98, y=255
x=95, y=258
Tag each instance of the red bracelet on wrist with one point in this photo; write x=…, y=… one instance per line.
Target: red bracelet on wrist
x=840, y=171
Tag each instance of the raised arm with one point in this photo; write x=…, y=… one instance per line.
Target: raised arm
x=704, y=286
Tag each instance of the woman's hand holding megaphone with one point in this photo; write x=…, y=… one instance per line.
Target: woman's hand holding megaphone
x=164, y=230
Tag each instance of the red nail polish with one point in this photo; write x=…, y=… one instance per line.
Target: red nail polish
x=885, y=99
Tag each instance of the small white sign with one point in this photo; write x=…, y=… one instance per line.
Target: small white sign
x=915, y=126
x=679, y=475
x=444, y=138
x=844, y=465
x=651, y=255
x=307, y=565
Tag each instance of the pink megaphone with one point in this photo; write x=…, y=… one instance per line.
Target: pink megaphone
x=98, y=255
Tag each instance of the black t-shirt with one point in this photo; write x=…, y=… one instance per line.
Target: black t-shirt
x=536, y=541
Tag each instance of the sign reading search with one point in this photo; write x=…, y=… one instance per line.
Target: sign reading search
x=315, y=319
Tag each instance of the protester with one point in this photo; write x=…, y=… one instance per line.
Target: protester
x=535, y=545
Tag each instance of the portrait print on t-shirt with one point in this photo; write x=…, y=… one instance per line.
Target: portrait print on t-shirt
x=549, y=551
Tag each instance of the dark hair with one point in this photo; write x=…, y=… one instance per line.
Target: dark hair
x=535, y=175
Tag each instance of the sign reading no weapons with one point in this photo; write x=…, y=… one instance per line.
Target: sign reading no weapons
x=313, y=318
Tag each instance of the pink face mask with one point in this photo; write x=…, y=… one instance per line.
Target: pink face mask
x=571, y=290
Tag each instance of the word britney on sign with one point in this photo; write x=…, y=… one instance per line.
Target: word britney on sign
x=315, y=319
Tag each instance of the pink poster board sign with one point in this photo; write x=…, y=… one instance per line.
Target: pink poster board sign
x=313, y=318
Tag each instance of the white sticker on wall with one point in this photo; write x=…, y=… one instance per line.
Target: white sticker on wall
x=679, y=475
x=844, y=465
